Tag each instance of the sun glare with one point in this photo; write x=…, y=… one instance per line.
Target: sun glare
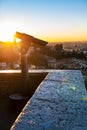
x=7, y=31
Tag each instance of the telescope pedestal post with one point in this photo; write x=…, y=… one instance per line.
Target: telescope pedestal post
x=24, y=73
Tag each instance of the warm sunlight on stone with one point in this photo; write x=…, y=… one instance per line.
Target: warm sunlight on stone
x=73, y=88
x=85, y=98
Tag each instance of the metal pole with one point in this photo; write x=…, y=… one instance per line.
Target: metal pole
x=24, y=73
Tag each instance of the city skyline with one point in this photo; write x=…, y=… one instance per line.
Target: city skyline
x=50, y=20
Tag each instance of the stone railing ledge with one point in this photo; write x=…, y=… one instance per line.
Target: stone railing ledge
x=59, y=103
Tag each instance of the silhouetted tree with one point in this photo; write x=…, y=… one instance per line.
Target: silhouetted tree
x=58, y=47
x=37, y=59
x=8, y=53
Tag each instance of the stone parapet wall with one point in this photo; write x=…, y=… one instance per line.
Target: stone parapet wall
x=59, y=103
x=11, y=83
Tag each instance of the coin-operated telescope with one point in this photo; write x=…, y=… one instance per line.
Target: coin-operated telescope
x=27, y=41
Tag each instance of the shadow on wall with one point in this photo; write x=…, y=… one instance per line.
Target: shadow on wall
x=10, y=84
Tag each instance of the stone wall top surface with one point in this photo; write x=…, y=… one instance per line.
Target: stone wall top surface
x=59, y=103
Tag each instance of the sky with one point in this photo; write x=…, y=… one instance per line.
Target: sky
x=49, y=20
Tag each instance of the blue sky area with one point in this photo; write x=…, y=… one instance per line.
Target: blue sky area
x=51, y=20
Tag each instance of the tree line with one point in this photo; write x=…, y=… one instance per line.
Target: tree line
x=38, y=57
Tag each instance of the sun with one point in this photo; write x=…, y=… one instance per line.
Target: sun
x=7, y=31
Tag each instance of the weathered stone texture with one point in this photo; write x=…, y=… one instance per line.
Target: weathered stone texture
x=59, y=103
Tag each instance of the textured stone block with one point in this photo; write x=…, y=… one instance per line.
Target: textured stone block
x=59, y=103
